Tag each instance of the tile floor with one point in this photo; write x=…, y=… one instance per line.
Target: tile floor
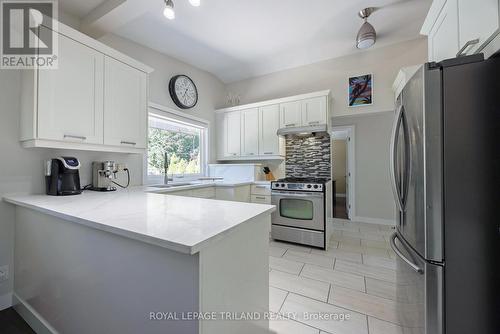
x=355, y=276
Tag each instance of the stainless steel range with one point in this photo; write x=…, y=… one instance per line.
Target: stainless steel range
x=303, y=205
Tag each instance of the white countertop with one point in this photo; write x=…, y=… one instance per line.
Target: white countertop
x=183, y=224
x=204, y=184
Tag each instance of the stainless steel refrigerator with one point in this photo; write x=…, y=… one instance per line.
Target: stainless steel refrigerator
x=445, y=172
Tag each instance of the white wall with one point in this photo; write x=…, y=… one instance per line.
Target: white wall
x=333, y=74
x=210, y=89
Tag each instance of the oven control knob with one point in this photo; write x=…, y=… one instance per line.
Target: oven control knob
x=309, y=186
x=315, y=186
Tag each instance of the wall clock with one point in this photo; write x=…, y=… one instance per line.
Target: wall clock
x=183, y=91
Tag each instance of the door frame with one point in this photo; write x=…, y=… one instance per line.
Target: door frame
x=351, y=164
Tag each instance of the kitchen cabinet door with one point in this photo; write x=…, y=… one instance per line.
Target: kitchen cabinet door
x=443, y=40
x=314, y=111
x=291, y=114
x=269, y=142
x=478, y=19
x=125, y=105
x=70, y=98
x=233, y=134
x=250, y=132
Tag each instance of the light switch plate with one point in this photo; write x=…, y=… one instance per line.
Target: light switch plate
x=4, y=273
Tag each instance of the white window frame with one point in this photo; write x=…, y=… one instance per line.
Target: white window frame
x=159, y=111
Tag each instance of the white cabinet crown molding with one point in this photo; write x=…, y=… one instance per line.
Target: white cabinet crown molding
x=276, y=101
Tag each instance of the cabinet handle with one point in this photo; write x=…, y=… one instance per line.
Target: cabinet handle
x=251, y=153
x=75, y=137
x=261, y=187
x=288, y=125
x=466, y=45
x=128, y=143
x=315, y=122
x=268, y=153
x=259, y=197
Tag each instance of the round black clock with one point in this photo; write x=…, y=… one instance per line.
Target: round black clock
x=183, y=91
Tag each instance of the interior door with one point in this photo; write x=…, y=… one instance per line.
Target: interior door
x=348, y=177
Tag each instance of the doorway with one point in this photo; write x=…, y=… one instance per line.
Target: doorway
x=343, y=171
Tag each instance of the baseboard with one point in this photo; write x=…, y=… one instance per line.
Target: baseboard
x=32, y=317
x=5, y=301
x=370, y=220
x=340, y=195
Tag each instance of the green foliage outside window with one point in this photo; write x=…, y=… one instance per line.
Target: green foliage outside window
x=183, y=151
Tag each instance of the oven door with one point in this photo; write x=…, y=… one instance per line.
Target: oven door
x=299, y=209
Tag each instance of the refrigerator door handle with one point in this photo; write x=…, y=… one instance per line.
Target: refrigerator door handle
x=393, y=157
x=413, y=266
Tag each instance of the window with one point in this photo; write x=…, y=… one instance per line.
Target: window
x=184, y=143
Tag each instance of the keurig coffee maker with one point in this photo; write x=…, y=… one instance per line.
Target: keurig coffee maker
x=62, y=176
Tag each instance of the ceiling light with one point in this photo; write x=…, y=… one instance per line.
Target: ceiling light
x=169, y=10
x=367, y=35
x=195, y=3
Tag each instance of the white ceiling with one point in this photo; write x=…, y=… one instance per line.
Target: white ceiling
x=238, y=39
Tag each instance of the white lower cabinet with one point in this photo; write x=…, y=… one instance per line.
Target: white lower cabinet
x=260, y=199
x=208, y=193
x=237, y=194
x=260, y=193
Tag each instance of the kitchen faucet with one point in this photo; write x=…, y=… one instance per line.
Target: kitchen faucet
x=165, y=169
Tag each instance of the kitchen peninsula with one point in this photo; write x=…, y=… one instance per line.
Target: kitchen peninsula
x=140, y=262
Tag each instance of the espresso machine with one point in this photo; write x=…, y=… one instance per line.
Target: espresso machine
x=104, y=175
x=62, y=176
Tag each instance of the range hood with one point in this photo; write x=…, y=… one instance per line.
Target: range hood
x=303, y=130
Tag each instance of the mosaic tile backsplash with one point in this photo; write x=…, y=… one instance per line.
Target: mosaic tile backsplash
x=308, y=157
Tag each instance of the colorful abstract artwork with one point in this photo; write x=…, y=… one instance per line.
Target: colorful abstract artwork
x=361, y=90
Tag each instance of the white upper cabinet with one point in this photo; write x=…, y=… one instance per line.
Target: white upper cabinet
x=460, y=27
x=232, y=124
x=478, y=21
x=291, y=114
x=96, y=99
x=70, y=98
x=125, y=105
x=269, y=141
x=443, y=38
x=250, y=132
x=314, y=111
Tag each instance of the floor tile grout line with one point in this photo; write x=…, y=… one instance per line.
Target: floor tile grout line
x=367, y=324
x=283, y=303
x=328, y=296
x=300, y=272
